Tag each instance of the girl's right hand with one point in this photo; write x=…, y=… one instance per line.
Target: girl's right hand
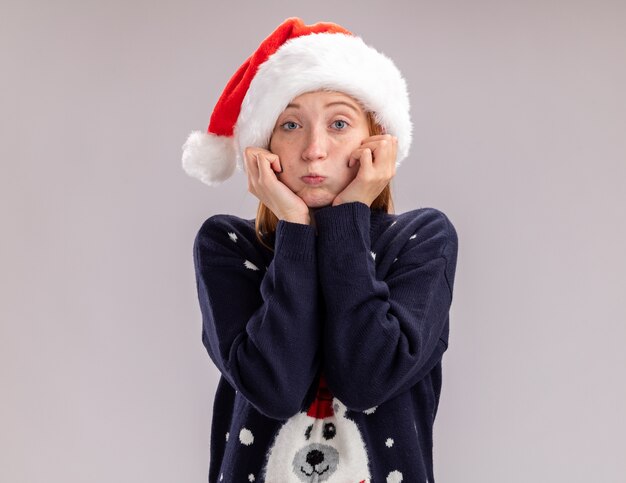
x=263, y=183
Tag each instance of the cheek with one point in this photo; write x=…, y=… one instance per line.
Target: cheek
x=346, y=175
x=285, y=151
x=355, y=141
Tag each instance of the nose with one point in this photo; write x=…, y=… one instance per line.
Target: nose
x=315, y=457
x=316, y=145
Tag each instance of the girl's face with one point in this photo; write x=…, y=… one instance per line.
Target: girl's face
x=314, y=136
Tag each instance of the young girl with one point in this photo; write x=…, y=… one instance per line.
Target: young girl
x=327, y=315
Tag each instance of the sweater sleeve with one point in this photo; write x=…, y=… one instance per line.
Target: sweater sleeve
x=382, y=336
x=260, y=328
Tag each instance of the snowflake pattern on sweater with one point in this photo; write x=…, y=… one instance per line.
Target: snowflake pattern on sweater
x=329, y=347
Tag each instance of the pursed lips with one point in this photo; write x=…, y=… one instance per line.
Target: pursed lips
x=313, y=178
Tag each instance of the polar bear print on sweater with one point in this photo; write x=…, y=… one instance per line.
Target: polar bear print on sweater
x=320, y=445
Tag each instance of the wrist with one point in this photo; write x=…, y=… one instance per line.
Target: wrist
x=338, y=201
x=303, y=219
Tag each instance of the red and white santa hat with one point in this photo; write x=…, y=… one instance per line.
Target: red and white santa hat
x=296, y=58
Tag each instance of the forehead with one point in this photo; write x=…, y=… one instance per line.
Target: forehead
x=322, y=98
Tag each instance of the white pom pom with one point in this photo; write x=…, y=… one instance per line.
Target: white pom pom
x=209, y=158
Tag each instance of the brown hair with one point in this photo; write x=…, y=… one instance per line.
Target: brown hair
x=266, y=221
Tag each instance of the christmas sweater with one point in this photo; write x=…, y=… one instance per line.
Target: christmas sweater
x=330, y=346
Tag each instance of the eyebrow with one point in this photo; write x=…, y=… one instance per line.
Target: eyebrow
x=351, y=106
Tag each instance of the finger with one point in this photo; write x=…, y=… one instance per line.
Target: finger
x=383, y=150
x=375, y=142
x=251, y=171
x=368, y=155
x=272, y=160
x=251, y=164
x=378, y=137
x=265, y=167
x=355, y=156
x=364, y=156
x=366, y=159
x=259, y=172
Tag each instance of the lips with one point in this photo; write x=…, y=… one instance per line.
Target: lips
x=313, y=178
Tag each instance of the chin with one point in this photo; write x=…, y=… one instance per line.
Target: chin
x=318, y=201
x=320, y=204
x=320, y=196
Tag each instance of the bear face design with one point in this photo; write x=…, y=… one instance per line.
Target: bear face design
x=321, y=445
x=315, y=458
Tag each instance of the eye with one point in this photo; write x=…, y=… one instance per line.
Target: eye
x=342, y=127
x=329, y=431
x=292, y=125
x=307, y=433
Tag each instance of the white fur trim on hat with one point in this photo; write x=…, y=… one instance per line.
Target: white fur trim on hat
x=209, y=158
x=324, y=61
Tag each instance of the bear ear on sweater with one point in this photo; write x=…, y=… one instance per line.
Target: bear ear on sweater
x=339, y=408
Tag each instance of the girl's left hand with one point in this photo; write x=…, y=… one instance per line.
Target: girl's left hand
x=377, y=159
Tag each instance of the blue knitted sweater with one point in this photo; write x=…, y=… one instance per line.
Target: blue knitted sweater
x=329, y=347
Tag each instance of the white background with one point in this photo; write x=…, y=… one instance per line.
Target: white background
x=520, y=138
